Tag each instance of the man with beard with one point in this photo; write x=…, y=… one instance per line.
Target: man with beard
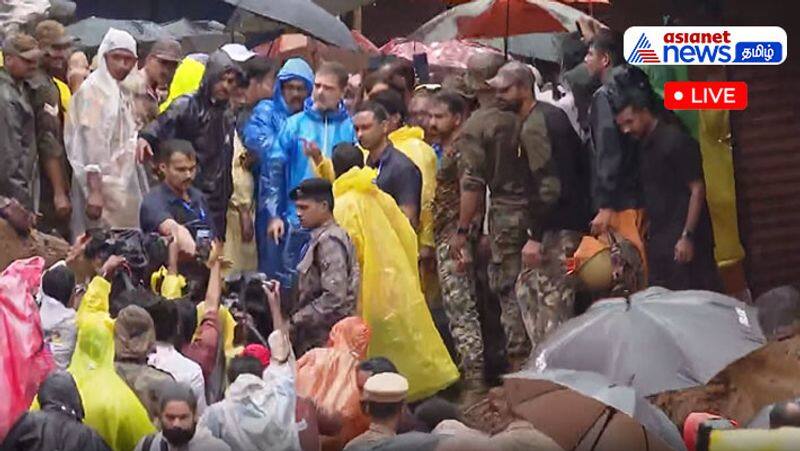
x=305, y=142
x=170, y=208
x=49, y=103
x=100, y=139
x=150, y=82
x=292, y=87
x=558, y=201
x=448, y=111
x=616, y=187
x=680, y=240
x=204, y=119
x=178, y=420
x=488, y=144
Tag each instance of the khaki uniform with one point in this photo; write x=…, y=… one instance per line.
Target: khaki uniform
x=458, y=286
x=328, y=286
x=49, y=114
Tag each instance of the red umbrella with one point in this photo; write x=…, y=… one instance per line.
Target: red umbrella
x=500, y=18
x=315, y=51
x=453, y=54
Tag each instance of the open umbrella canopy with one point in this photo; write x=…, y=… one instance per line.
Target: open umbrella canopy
x=656, y=341
x=584, y=410
x=303, y=15
x=500, y=18
x=201, y=36
x=453, y=54
x=90, y=31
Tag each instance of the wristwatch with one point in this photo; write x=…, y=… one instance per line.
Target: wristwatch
x=688, y=234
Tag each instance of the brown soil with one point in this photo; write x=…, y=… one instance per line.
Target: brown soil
x=14, y=247
x=765, y=376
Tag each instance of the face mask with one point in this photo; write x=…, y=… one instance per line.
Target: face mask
x=179, y=436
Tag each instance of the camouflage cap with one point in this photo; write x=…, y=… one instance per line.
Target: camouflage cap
x=22, y=45
x=512, y=73
x=50, y=33
x=482, y=67
x=167, y=49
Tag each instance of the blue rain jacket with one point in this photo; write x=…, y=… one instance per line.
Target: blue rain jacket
x=289, y=165
x=259, y=134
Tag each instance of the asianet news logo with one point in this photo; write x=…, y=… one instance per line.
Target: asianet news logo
x=705, y=45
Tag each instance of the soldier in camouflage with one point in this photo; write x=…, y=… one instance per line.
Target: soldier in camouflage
x=558, y=201
x=490, y=157
x=447, y=112
x=328, y=273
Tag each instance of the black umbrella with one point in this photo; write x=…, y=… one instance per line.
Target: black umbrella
x=656, y=341
x=601, y=415
x=201, y=36
x=90, y=31
x=303, y=15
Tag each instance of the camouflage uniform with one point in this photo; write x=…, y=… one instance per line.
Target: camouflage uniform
x=559, y=211
x=457, y=284
x=328, y=286
x=546, y=295
x=490, y=157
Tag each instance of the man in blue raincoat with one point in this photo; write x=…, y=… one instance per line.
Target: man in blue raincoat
x=292, y=88
x=305, y=143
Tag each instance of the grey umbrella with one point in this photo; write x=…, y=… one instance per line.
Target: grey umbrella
x=593, y=404
x=656, y=341
x=339, y=7
x=304, y=15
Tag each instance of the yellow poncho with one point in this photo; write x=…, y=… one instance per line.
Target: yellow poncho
x=186, y=81
x=112, y=409
x=391, y=301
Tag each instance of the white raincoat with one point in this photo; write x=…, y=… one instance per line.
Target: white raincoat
x=100, y=136
x=258, y=413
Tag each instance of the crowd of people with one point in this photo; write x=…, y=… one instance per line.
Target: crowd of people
x=215, y=200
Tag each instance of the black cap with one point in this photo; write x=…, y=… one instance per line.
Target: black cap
x=312, y=188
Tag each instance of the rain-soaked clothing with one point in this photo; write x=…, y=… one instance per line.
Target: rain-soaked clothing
x=327, y=376
x=259, y=135
x=209, y=125
x=58, y=425
x=391, y=301
x=288, y=166
x=100, y=137
x=111, y=407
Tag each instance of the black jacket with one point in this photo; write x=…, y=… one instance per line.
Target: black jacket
x=58, y=425
x=616, y=182
x=209, y=126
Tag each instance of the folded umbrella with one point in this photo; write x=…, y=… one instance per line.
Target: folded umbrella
x=304, y=15
x=658, y=340
x=585, y=411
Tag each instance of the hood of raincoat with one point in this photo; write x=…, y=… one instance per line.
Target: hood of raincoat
x=391, y=300
x=111, y=407
x=351, y=334
x=134, y=333
x=293, y=68
x=218, y=63
x=113, y=40
x=60, y=393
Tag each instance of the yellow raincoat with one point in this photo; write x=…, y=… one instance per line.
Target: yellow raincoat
x=409, y=141
x=391, y=301
x=112, y=409
x=186, y=81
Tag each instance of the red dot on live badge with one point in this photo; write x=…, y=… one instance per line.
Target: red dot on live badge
x=705, y=95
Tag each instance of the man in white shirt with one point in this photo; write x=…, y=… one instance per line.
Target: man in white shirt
x=167, y=358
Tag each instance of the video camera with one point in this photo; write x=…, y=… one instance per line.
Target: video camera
x=246, y=300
